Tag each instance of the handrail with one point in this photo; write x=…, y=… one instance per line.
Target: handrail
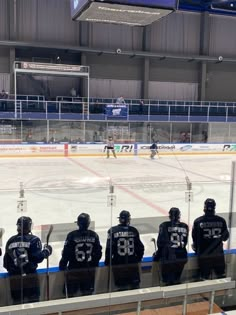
x=154, y=111
x=122, y=297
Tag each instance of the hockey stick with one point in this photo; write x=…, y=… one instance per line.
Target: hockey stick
x=47, y=241
x=1, y=235
x=66, y=286
x=154, y=242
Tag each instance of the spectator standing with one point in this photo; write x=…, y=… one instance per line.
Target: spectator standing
x=3, y=98
x=204, y=136
x=120, y=100
x=141, y=105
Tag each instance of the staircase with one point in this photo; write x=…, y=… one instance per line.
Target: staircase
x=18, y=109
x=86, y=110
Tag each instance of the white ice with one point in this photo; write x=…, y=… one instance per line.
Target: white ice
x=58, y=189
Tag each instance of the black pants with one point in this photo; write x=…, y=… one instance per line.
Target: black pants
x=171, y=271
x=212, y=263
x=126, y=277
x=24, y=289
x=79, y=282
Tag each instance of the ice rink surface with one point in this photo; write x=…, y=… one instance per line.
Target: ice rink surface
x=57, y=190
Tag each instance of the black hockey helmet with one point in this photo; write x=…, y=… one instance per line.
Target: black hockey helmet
x=24, y=225
x=174, y=214
x=124, y=217
x=83, y=221
x=209, y=205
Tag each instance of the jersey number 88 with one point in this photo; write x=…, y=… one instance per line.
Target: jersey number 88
x=125, y=246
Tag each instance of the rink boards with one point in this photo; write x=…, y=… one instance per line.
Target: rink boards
x=99, y=149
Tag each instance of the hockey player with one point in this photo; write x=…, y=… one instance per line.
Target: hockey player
x=22, y=255
x=110, y=146
x=80, y=257
x=124, y=251
x=153, y=149
x=208, y=233
x=172, y=254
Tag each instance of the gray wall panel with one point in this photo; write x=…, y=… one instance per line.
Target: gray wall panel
x=4, y=60
x=178, y=32
x=220, y=85
x=222, y=36
x=115, y=67
x=4, y=20
x=115, y=88
x=173, y=91
x=46, y=21
x=174, y=71
x=115, y=36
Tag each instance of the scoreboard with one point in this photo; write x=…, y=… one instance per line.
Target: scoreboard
x=135, y=12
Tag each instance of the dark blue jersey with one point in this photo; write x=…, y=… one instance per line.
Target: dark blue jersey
x=172, y=240
x=153, y=146
x=123, y=245
x=23, y=253
x=81, y=249
x=208, y=233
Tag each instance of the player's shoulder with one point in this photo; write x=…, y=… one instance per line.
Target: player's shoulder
x=132, y=228
x=221, y=219
x=115, y=228
x=164, y=224
x=12, y=238
x=183, y=224
x=199, y=219
x=92, y=233
x=32, y=237
x=72, y=234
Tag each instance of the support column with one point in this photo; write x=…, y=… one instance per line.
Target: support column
x=146, y=63
x=146, y=74
x=12, y=58
x=83, y=82
x=12, y=12
x=204, y=50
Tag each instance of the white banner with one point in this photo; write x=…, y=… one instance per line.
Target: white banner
x=121, y=149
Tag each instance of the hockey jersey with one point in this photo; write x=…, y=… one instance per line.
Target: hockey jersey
x=23, y=253
x=81, y=249
x=123, y=245
x=208, y=234
x=172, y=240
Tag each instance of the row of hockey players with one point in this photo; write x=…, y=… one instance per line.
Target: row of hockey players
x=124, y=251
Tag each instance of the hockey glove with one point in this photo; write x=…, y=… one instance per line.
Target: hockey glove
x=193, y=248
x=47, y=250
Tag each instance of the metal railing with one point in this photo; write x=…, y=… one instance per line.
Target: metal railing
x=151, y=110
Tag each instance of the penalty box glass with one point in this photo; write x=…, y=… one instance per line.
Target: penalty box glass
x=130, y=12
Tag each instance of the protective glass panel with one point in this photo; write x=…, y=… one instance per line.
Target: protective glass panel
x=53, y=190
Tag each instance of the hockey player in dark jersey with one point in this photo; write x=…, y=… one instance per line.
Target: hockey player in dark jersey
x=124, y=251
x=208, y=233
x=172, y=254
x=80, y=257
x=22, y=255
x=153, y=149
